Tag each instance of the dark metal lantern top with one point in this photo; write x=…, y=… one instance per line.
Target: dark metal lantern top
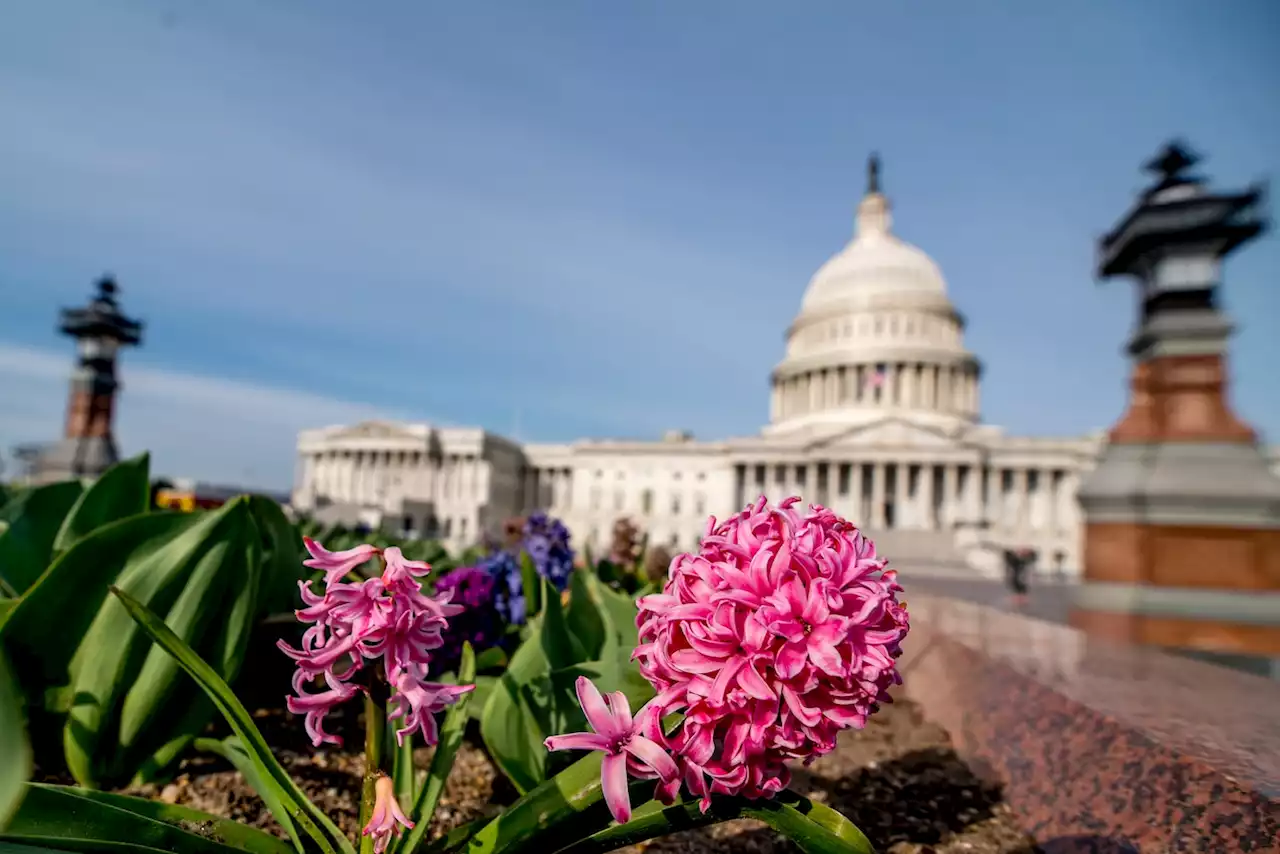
x=873, y=174
x=1178, y=212
x=101, y=318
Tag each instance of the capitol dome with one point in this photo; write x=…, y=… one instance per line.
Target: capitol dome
x=876, y=335
x=875, y=263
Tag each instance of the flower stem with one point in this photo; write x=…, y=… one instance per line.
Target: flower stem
x=377, y=759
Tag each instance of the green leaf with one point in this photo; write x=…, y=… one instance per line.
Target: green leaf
x=126, y=692
x=530, y=585
x=308, y=817
x=622, y=612
x=510, y=735
x=558, y=643
x=403, y=773
x=33, y=518
x=813, y=827
x=232, y=750
x=492, y=658
x=75, y=588
x=455, y=723
x=282, y=557
x=63, y=818
x=480, y=696
x=119, y=492
x=15, y=752
x=621, y=674
x=545, y=809
x=583, y=614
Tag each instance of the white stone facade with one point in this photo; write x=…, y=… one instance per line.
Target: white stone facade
x=874, y=412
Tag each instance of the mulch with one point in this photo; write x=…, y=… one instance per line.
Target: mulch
x=898, y=779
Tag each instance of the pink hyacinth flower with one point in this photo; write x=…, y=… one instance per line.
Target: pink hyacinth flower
x=618, y=736
x=335, y=565
x=387, y=618
x=780, y=631
x=417, y=701
x=387, y=817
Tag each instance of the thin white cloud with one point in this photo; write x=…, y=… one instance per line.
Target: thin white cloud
x=195, y=426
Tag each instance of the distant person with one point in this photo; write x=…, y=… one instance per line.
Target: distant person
x=1016, y=564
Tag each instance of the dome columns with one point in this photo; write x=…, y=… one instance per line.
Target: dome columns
x=898, y=385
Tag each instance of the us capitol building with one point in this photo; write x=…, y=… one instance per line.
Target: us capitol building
x=874, y=412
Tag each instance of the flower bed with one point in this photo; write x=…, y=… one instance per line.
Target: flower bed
x=592, y=717
x=899, y=780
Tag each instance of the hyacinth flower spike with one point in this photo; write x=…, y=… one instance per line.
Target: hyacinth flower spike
x=335, y=565
x=387, y=818
x=618, y=736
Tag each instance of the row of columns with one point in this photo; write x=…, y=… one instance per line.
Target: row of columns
x=921, y=495
x=942, y=388
x=546, y=488
x=371, y=477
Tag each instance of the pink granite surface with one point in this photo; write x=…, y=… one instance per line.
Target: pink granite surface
x=1101, y=742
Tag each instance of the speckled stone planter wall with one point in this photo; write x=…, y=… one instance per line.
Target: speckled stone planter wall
x=1101, y=746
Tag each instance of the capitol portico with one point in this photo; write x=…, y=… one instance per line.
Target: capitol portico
x=874, y=412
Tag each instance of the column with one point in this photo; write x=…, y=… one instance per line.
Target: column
x=877, y=495
x=926, y=491
x=949, y=476
x=775, y=402
x=1067, y=510
x=909, y=385
x=1022, y=498
x=901, y=497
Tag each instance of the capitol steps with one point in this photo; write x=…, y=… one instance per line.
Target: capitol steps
x=921, y=552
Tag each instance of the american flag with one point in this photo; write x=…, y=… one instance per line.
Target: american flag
x=876, y=379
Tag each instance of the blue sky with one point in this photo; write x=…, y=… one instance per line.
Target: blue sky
x=575, y=219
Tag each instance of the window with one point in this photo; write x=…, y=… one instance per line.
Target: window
x=617, y=499
x=646, y=502
x=699, y=504
x=595, y=498
x=675, y=505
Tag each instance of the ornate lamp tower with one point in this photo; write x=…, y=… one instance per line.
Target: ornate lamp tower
x=1182, y=515
x=100, y=330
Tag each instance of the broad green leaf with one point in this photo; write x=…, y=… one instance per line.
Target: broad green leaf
x=506, y=727
x=530, y=585
x=282, y=557
x=561, y=810
x=524, y=707
x=622, y=612
x=583, y=614
x=33, y=517
x=121, y=491
x=621, y=674
x=232, y=750
x=558, y=643
x=307, y=816
x=510, y=734
x=75, y=588
x=72, y=819
x=15, y=750
x=126, y=692
x=455, y=723
x=492, y=658
x=480, y=696
x=813, y=827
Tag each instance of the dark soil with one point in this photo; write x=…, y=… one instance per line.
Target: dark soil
x=898, y=780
